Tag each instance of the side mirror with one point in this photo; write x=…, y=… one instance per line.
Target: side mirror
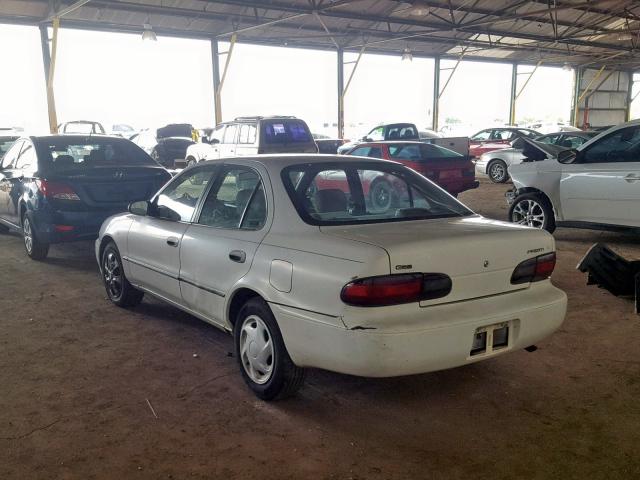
x=139, y=208
x=567, y=156
x=366, y=139
x=213, y=141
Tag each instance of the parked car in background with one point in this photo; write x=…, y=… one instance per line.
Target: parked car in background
x=254, y=136
x=428, y=134
x=450, y=170
x=5, y=143
x=596, y=185
x=552, y=127
x=326, y=144
x=60, y=188
x=81, y=127
x=167, y=145
x=391, y=131
x=122, y=130
x=496, y=138
x=291, y=256
x=496, y=163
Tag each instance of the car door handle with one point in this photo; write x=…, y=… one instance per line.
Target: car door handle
x=172, y=241
x=632, y=177
x=237, y=256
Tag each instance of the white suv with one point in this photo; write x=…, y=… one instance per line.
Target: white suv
x=253, y=136
x=596, y=185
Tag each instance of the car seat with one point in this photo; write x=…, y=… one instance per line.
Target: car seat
x=64, y=160
x=330, y=200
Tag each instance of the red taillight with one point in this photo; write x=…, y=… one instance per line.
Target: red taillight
x=57, y=190
x=534, y=269
x=395, y=289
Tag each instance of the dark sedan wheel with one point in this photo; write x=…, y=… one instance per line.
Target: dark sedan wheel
x=498, y=171
x=118, y=288
x=36, y=248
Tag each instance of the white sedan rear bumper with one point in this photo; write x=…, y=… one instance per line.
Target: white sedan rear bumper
x=423, y=339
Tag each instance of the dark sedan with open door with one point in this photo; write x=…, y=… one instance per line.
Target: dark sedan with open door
x=61, y=188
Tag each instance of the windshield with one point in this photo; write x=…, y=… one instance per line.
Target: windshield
x=286, y=131
x=363, y=192
x=83, y=128
x=422, y=152
x=82, y=153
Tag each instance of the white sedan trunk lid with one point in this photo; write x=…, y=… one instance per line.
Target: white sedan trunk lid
x=477, y=253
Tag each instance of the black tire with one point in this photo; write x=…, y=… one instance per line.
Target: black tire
x=497, y=171
x=381, y=194
x=533, y=210
x=191, y=161
x=283, y=378
x=36, y=248
x=118, y=288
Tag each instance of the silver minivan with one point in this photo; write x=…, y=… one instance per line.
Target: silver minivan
x=253, y=136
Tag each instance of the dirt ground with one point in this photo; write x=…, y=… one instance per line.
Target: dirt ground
x=78, y=377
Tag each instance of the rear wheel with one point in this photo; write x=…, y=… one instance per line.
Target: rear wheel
x=36, y=248
x=118, y=288
x=497, y=170
x=263, y=358
x=191, y=161
x=533, y=210
x=381, y=195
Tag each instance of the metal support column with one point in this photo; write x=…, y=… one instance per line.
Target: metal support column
x=630, y=97
x=436, y=94
x=340, y=58
x=49, y=63
x=218, y=91
x=514, y=86
x=577, y=80
x=215, y=63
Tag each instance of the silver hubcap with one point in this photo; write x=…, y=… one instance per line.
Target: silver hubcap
x=28, y=234
x=528, y=212
x=497, y=171
x=256, y=349
x=382, y=195
x=112, y=274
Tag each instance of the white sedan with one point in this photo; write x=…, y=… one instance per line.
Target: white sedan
x=289, y=254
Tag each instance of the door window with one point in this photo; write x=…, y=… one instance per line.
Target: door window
x=501, y=135
x=550, y=139
x=10, y=157
x=481, y=136
x=373, y=152
x=620, y=146
x=376, y=134
x=236, y=201
x=247, y=134
x=184, y=192
x=571, y=141
x=230, y=134
x=27, y=158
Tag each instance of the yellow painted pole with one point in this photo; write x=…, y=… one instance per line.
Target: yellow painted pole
x=218, y=105
x=51, y=101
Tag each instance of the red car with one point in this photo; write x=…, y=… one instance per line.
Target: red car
x=453, y=172
x=496, y=138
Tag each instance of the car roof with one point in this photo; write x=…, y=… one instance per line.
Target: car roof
x=74, y=136
x=280, y=161
x=393, y=142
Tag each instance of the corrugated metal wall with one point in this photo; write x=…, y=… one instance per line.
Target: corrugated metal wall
x=605, y=97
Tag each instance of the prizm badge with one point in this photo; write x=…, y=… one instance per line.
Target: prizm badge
x=535, y=250
x=404, y=267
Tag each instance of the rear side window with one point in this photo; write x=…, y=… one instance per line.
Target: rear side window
x=279, y=132
x=82, y=153
x=247, y=134
x=399, y=132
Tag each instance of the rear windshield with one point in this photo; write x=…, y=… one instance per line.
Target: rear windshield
x=362, y=192
x=82, y=128
x=280, y=132
x=423, y=152
x=81, y=153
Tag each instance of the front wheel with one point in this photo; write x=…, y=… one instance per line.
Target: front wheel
x=262, y=356
x=36, y=248
x=533, y=210
x=498, y=171
x=118, y=288
x=381, y=195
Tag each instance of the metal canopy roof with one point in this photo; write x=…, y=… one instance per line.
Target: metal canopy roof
x=578, y=32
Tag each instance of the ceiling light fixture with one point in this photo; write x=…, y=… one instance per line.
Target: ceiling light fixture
x=407, y=55
x=148, y=34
